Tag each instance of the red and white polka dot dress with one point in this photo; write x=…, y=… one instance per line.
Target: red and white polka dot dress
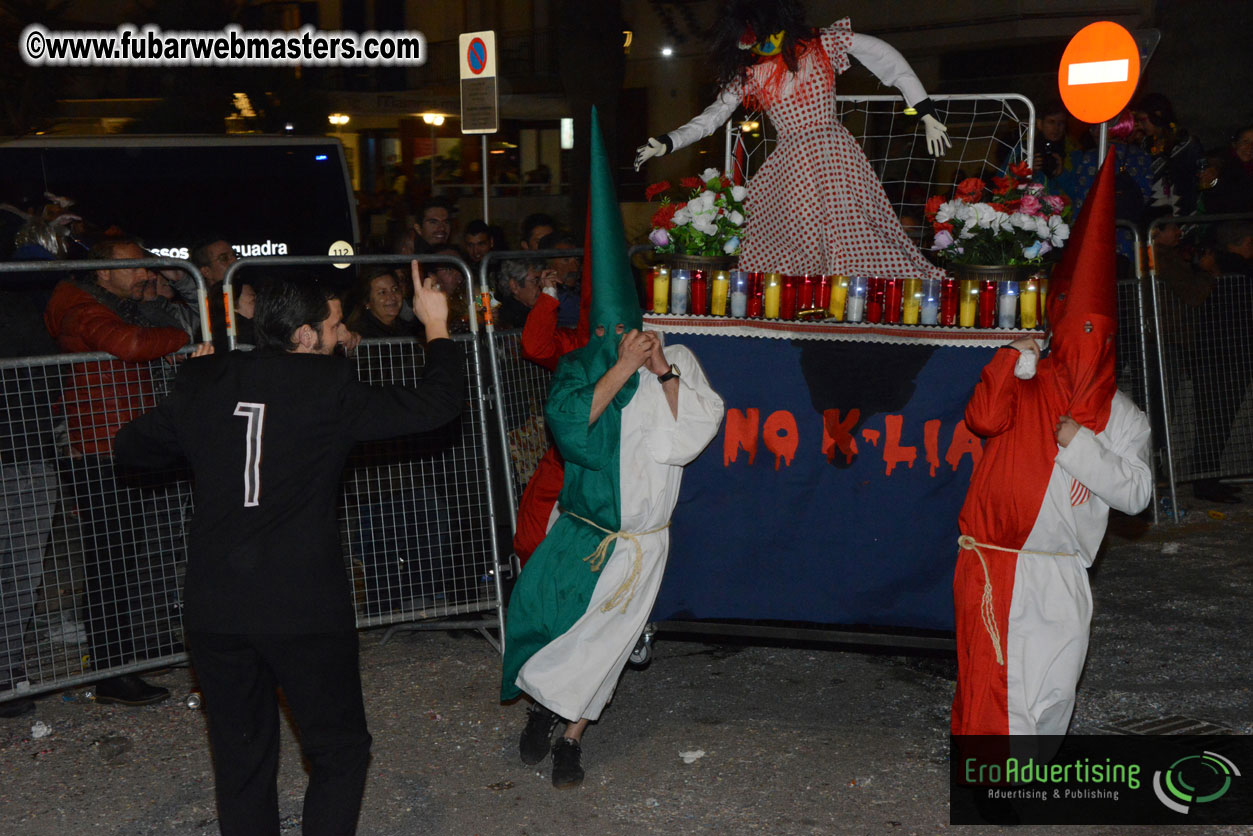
x=816, y=206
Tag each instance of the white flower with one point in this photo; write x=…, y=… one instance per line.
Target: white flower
x=1058, y=230
x=1022, y=220
x=705, y=225
x=738, y=193
x=682, y=216
x=709, y=174
x=735, y=218
x=1041, y=227
x=948, y=211
x=731, y=246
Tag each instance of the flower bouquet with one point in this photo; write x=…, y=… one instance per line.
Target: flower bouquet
x=1017, y=225
x=710, y=222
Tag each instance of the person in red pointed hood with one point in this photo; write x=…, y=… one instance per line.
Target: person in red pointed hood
x=1063, y=446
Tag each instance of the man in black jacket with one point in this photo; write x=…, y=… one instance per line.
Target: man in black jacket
x=267, y=600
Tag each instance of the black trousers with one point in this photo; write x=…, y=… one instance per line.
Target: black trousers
x=321, y=679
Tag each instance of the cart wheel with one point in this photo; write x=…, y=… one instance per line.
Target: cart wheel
x=642, y=655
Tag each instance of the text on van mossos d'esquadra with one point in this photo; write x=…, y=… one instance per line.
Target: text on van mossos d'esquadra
x=242, y=250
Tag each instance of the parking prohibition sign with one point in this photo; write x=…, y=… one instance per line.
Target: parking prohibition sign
x=1099, y=72
x=476, y=56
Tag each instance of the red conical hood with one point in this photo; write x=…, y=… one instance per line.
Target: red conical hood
x=1085, y=303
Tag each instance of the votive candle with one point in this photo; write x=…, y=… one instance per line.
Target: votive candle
x=698, y=293
x=913, y=301
x=1007, y=307
x=679, y=279
x=839, y=294
x=929, y=313
x=661, y=289
x=1028, y=302
x=856, y=306
x=720, y=286
x=739, y=293
x=969, y=302
x=771, y=296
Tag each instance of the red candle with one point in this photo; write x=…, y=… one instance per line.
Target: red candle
x=787, y=297
x=823, y=300
x=893, y=299
x=805, y=292
x=755, y=288
x=698, y=294
x=874, y=299
x=648, y=290
x=948, y=301
x=987, y=304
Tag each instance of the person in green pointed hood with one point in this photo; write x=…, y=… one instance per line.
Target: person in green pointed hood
x=627, y=415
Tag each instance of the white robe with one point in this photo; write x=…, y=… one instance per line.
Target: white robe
x=1051, y=611
x=575, y=674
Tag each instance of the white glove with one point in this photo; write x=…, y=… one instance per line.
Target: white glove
x=1024, y=368
x=937, y=135
x=646, y=152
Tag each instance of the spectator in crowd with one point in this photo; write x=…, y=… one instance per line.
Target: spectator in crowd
x=1133, y=180
x=499, y=242
x=268, y=603
x=1218, y=329
x=433, y=227
x=567, y=269
x=1233, y=191
x=1176, y=154
x=213, y=256
x=28, y=476
x=534, y=227
x=478, y=241
x=102, y=313
x=380, y=300
x=452, y=282
x=1054, y=146
x=245, y=310
x=518, y=289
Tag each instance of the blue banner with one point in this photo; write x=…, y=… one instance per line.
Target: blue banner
x=832, y=491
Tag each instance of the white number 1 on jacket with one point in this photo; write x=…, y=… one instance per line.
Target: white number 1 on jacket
x=255, y=413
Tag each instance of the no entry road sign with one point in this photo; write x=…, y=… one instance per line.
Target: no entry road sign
x=1099, y=72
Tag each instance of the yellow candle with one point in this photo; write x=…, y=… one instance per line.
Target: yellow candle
x=1027, y=301
x=839, y=294
x=969, y=302
x=720, y=286
x=770, y=296
x=661, y=289
x=913, y=301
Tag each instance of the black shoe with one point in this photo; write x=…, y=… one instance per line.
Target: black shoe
x=16, y=708
x=1211, y=490
x=567, y=771
x=538, y=734
x=129, y=689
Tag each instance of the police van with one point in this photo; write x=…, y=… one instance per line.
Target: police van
x=266, y=195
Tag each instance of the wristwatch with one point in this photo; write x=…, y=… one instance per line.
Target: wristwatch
x=672, y=374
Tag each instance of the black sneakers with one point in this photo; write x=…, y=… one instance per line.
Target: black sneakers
x=567, y=771
x=129, y=689
x=538, y=734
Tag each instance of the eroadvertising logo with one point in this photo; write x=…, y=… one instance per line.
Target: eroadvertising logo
x=1100, y=779
x=1194, y=779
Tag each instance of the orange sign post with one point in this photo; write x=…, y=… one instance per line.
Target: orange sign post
x=1099, y=72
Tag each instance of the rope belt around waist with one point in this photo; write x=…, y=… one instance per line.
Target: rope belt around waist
x=969, y=543
x=626, y=592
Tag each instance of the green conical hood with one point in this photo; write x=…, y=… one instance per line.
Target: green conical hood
x=614, y=301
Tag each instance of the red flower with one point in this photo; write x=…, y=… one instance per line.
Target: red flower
x=664, y=217
x=656, y=189
x=692, y=183
x=933, y=205
x=1021, y=170
x=1003, y=185
x=726, y=182
x=946, y=227
x=970, y=189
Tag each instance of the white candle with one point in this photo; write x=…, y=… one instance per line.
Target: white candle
x=678, y=291
x=739, y=303
x=1007, y=308
x=856, y=308
x=930, y=302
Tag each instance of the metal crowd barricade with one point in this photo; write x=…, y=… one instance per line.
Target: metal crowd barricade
x=1204, y=342
x=1134, y=336
x=89, y=552
x=418, y=526
x=86, y=554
